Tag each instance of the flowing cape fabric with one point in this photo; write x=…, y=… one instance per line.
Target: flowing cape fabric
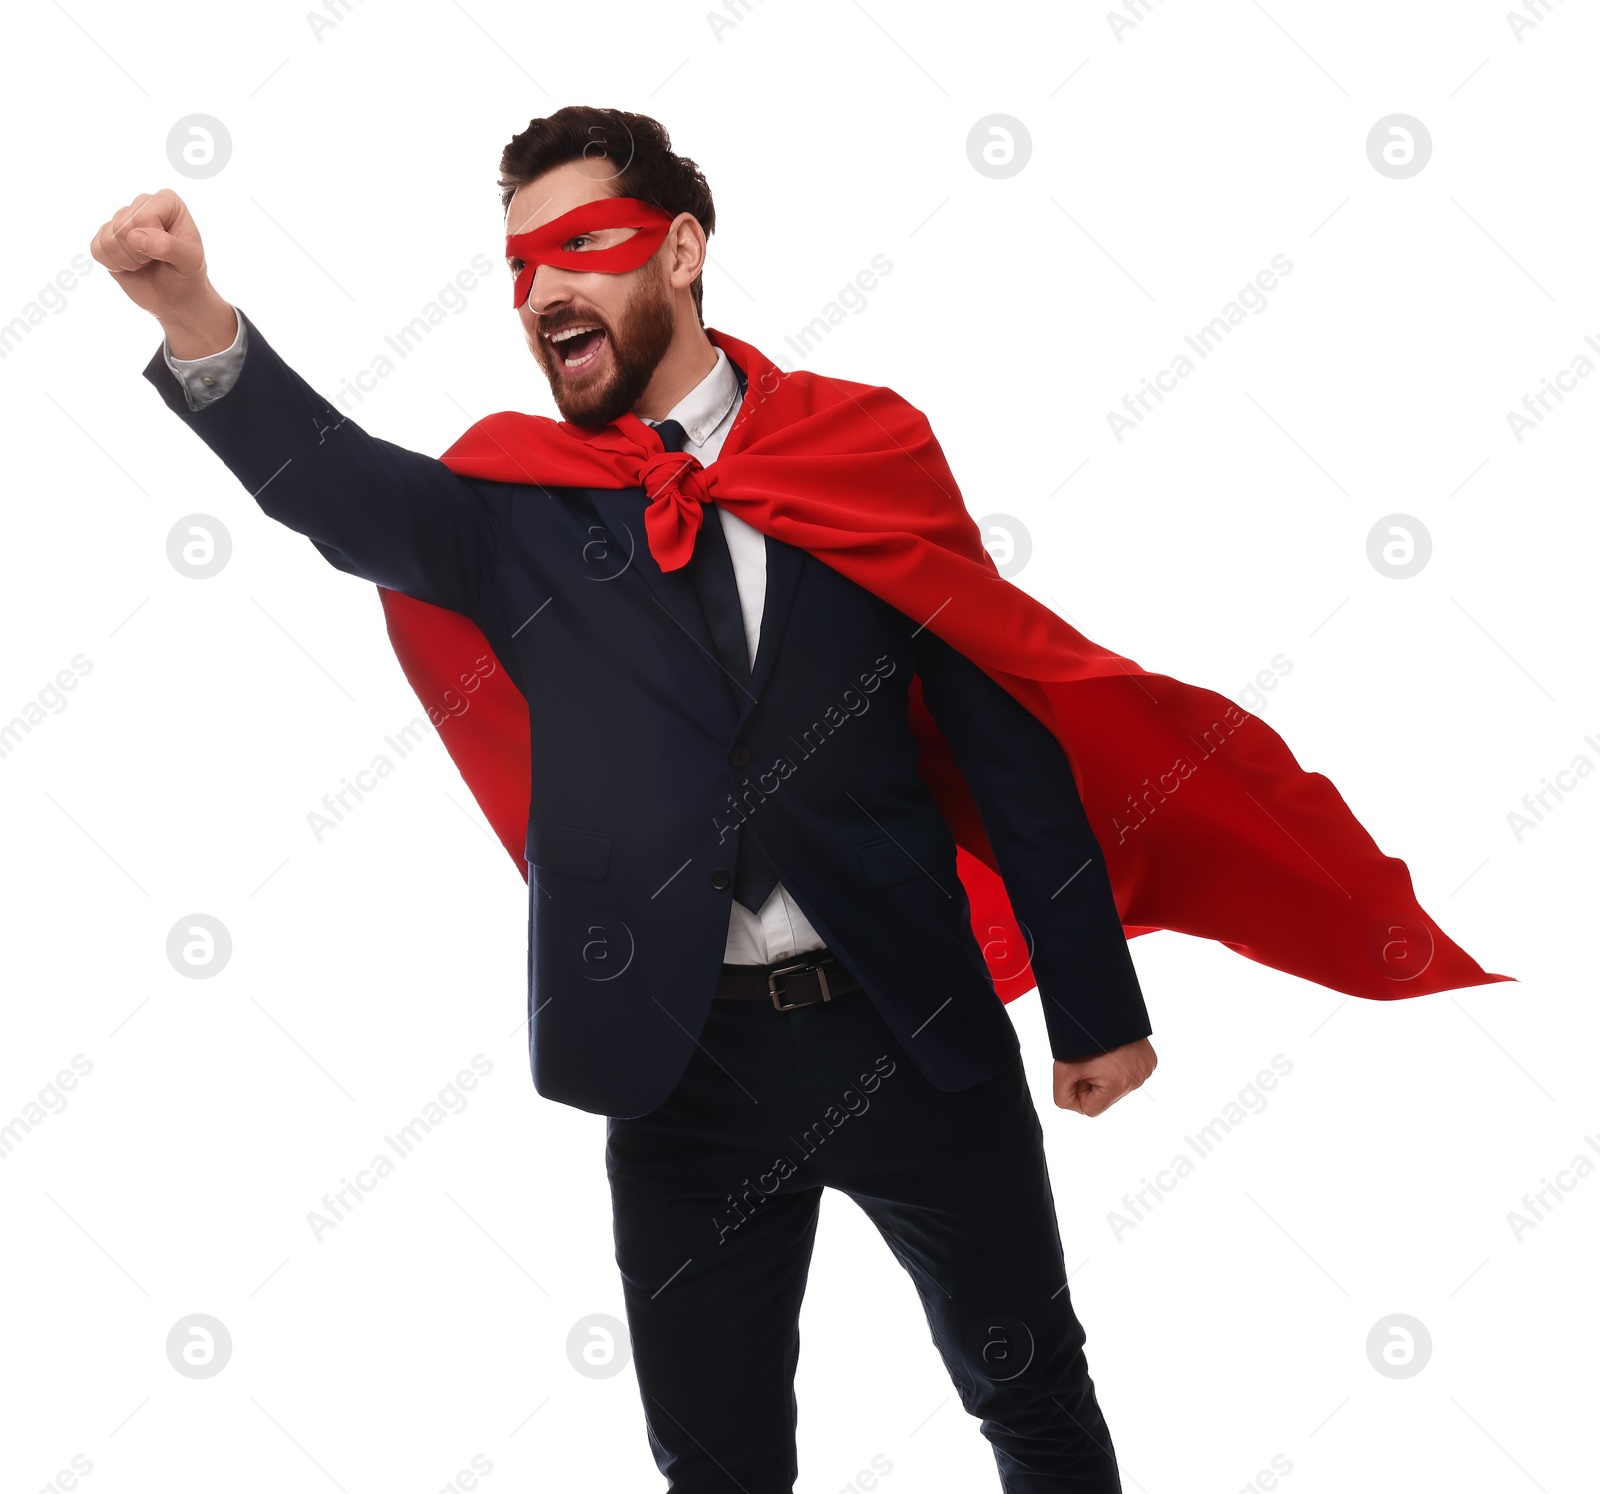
x=1209, y=825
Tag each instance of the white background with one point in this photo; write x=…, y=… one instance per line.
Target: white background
x=1168, y=167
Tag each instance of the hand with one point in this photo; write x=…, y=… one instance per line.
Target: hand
x=1092, y=1085
x=152, y=248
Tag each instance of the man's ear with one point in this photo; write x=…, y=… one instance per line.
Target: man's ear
x=686, y=250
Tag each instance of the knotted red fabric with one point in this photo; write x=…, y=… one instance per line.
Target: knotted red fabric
x=1209, y=825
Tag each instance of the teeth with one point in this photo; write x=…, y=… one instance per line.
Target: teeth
x=568, y=332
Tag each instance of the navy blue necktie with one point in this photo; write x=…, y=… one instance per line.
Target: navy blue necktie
x=710, y=571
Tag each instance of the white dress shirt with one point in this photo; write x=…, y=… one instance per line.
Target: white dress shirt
x=779, y=930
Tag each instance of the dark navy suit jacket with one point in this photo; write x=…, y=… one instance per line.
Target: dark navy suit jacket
x=649, y=762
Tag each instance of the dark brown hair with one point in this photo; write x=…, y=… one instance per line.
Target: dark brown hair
x=638, y=148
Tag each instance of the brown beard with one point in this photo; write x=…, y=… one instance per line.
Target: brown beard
x=639, y=341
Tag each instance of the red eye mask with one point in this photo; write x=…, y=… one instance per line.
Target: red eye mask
x=543, y=245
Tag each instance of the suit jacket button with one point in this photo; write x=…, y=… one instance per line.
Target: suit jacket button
x=739, y=757
x=720, y=879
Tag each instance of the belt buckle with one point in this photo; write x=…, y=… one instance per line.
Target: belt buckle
x=814, y=967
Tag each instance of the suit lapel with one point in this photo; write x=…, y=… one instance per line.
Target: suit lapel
x=784, y=564
x=623, y=547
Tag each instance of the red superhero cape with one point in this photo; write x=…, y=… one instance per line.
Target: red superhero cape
x=1208, y=824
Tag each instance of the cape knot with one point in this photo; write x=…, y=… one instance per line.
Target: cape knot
x=674, y=475
x=675, y=490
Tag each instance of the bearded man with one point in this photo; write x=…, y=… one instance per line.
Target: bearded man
x=778, y=745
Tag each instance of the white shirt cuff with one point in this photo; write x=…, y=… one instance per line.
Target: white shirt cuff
x=209, y=378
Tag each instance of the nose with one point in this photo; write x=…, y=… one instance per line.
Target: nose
x=550, y=288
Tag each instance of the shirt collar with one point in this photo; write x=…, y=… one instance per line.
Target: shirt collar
x=706, y=406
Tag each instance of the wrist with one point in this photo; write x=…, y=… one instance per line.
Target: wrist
x=200, y=330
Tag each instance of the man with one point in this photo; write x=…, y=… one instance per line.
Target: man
x=767, y=979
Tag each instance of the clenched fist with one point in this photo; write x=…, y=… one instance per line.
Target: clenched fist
x=1092, y=1085
x=152, y=248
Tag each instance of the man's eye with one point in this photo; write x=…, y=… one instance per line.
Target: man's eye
x=515, y=266
x=580, y=241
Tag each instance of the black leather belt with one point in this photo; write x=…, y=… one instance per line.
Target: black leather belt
x=789, y=983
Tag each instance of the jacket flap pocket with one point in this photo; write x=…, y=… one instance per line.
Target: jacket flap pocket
x=575, y=853
x=909, y=853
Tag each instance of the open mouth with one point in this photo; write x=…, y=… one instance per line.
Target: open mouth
x=576, y=347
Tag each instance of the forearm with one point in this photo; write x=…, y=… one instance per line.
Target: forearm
x=1060, y=890
x=1054, y=870
x=1087, y=982
x=376, y=510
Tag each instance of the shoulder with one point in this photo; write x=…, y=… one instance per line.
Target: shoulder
x=502, y=445
x=783, y=394
x=875, y=411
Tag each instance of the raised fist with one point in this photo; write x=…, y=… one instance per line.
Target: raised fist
x=152, y=249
